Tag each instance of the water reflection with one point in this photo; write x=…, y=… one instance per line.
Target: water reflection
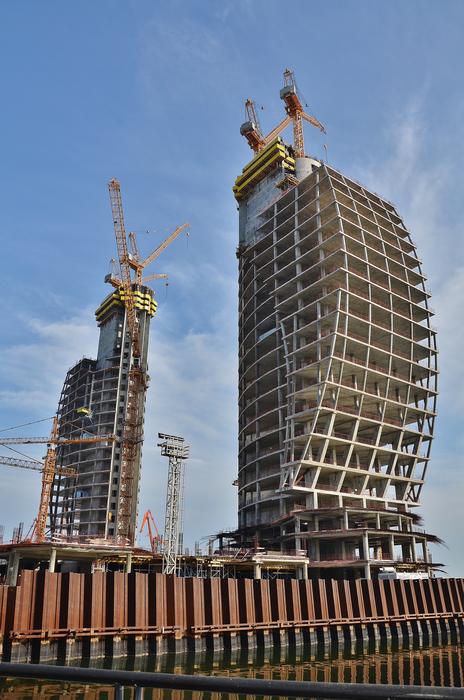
x=435, y=666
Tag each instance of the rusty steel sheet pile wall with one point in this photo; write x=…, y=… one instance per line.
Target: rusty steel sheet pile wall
x=52, y=606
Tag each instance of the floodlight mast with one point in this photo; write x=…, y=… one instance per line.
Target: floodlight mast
x=173, y=447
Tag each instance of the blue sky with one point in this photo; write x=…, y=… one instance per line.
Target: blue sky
x=152, y=93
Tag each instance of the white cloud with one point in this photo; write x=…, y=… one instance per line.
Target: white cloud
x=421, y=183
x=417, y=179
x=32, y=372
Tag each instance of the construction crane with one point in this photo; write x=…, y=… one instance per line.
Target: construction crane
x=153, y=533
x=251, y=128
x=138, y=381
x=295, y=115
x=177, y=451
x=47, y=467
x=138, y=265
x=294, y=109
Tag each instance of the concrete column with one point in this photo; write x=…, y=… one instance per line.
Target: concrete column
x=52, y=562
x=377, y=521
x=13, y=568
x=392, y=546
x=425, y=553
x=365, y=545
x=304, y=571
x=345, y=519
x=413, y=549
x=367, y=566
x=128, y=566
x=257, y=570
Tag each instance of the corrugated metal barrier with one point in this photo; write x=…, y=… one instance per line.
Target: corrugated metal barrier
x=159, y=612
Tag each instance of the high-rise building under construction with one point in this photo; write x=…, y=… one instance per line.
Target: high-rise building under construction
x=94, y=399
x=337, y=367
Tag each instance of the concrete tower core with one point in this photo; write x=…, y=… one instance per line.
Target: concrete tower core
x=93, y=400
x=337, y=371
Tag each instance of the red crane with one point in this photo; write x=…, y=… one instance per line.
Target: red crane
x=153, y=533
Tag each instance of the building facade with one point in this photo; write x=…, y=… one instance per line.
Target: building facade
x=337, y=371
x=93, y=401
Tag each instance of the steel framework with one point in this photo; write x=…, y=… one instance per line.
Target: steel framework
x=177, y=451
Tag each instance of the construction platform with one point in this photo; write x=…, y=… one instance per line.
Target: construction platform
x=69, y=557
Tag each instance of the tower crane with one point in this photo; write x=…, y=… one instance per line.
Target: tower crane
x=251, y=128
x=47, y=467
x=138, y=265
x=294, y=109
x=138, y=380
x=295, y=115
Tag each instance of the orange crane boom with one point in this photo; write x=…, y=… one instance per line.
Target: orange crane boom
x=278, y=129
x=134, y=262
x=33, y=464
x=153, y=533
x=167, y=241
x=57, y=441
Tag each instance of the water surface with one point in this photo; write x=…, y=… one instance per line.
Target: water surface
x=433, y=666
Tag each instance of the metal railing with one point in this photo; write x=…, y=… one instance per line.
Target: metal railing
x=220, y=684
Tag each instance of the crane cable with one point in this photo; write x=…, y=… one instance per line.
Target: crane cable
x=23, y=454
x=32, y=422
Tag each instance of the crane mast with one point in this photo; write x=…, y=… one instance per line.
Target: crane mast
x=137, y=379
x=48, y=476
x=124, y=264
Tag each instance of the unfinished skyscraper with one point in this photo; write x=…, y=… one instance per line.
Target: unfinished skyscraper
x=94, y=399
x=337, y=366
x=109, y=393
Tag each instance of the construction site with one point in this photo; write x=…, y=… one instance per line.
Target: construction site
x=337, y=393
